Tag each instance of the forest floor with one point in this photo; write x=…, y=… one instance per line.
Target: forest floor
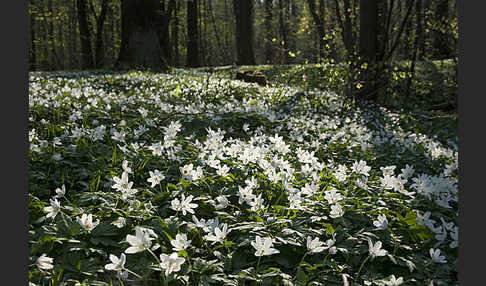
x=241, y=184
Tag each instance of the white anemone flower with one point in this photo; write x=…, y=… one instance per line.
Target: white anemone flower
x=171, y=263
x=263, y=246
x=86, y=221
x=314, y=245
x=219, y=234
x=155, y=178
x=44, y=262
x=60, y=192
x=180, y=242
x=184, y=204
x=381, y=222
x=120, y=222
x=332, y=196
x=116, y=264
x=336, y=211
x=140, y=242
x=393, y=281
x=126, y=168
x=436, y=257
x=375, y=249
x=53, y=209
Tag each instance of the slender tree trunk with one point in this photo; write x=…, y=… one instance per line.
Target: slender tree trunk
x=45, y=63
x=192, y=34
x=368, y=37
x=244, y=32
x=72, y=34
x=204, y=43
x=268, y=31
x=283, y=32
x=202, y=46
x=141, y=43
x=405, y=44
x=420, y=30
x=86, y=52
x=348, y=30
x=53, y=59
x=99, y=47
x=116, y=33
x=319, y=25
x=440, y=39
x=414, y=53
x=62, y=57
x=33, y=59
x=163, y=28
x=217, y=34
x=175, y=35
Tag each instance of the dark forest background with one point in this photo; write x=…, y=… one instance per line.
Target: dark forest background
x=367, y=36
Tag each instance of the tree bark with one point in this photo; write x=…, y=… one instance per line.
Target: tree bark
x=420, y=31
x=368, y=37
x=414, y=54
x=244, y=32
x=33, y=59
x=347, y=29
x=175, y=35
x=141, y=43
x=86, y=52
x=192, y=34
x=283, y=32
x=319, y=25
x=268, y=31
x=440, y=39
x=99, y=46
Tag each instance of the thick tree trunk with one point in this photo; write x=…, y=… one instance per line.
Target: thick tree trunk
x=192, y=34
x=244, y=32
x=141, y=43
x=86, y=52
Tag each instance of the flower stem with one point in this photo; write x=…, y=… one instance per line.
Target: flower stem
x=302, y=260
x=155, y=256
x=190, y=266
x=131, y=272
x=325, y=260
x=121, y=282
x=164, y=279
x=256, y=270
x=361, y=267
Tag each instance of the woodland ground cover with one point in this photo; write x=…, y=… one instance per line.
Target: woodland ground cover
x=193, y=178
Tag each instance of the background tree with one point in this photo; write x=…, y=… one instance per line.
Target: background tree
x=192, y=34
x=268, y=4
x=244, y=32
x=140, y=35
x=88, y=34
x=100, y=18
x=84, y=35
x=441, y=41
